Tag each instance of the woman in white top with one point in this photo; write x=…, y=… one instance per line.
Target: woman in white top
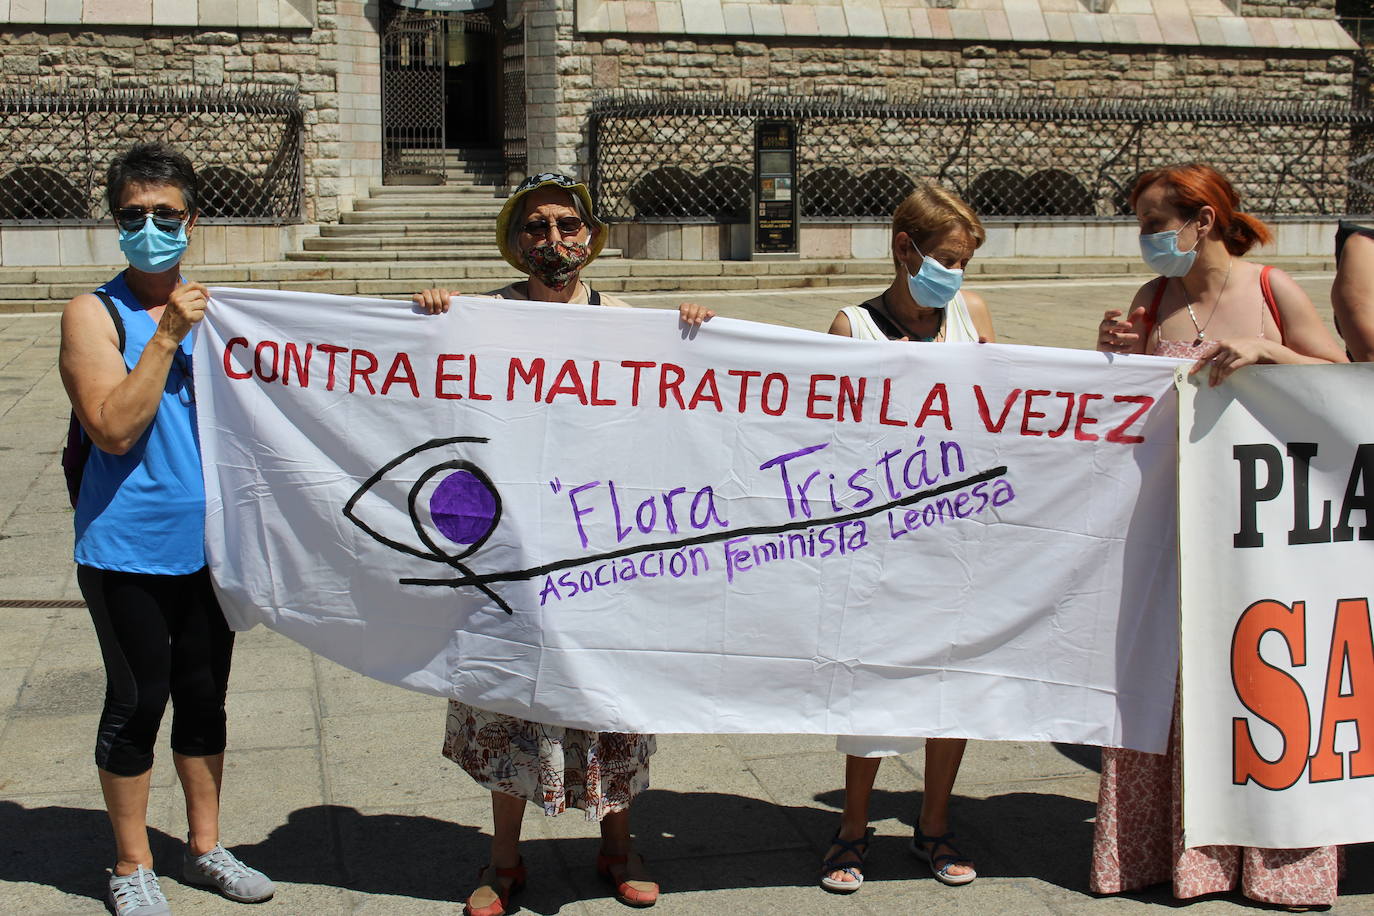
x=934, y=236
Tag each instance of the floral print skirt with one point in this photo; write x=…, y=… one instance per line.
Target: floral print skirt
x=548, y=765
x=1138, y=841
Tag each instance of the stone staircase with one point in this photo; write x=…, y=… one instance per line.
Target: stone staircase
x=416, y=222
x=47, y=289
x=405, y=237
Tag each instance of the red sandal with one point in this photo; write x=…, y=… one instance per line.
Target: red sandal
x=629, y=891
x=496, y=907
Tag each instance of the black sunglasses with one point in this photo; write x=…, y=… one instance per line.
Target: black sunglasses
x=567, y=225
x=132, y=219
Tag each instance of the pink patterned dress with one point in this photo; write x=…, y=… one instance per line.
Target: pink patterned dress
x=1138, y=838
x=547, y=765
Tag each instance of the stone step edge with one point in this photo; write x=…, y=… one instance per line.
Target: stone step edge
x=988, y=270
x=473, y=202
x=403, y=287
x=391, y=290
x=395, y=289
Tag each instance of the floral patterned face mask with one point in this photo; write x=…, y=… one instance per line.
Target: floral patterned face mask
x=555, y=264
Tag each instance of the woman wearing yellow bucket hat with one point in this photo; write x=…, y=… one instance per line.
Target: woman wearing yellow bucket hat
x=547, y=230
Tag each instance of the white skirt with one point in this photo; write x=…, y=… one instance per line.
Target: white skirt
x=880, y=746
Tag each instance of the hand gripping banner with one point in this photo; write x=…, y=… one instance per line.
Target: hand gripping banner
x=591, y=517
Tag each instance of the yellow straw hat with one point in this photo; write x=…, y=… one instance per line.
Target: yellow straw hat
x=534, y=183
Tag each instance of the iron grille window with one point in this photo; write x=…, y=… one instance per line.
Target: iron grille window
x=670, y=158
x=55, y=147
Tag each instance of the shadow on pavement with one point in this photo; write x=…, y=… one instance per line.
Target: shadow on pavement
x=1019, y=834
x=694, y=841
x=65, y=848
x=401, y=854
x=1084, y=755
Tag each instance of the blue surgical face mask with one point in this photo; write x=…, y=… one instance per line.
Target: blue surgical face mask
x=1161, y=254
x=933, y=285
x=150, y=249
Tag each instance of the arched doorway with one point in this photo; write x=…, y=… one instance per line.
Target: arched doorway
x=447, y=71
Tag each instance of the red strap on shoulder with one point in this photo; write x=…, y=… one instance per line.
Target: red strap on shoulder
x=1151, y=315
x=1269, y=300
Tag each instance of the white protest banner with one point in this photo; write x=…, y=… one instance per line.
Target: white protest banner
x=592, y=518
x=1276, y=516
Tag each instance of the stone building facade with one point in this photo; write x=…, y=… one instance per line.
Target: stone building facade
x=1184, y=50
x=325, y=50
x=570, y=53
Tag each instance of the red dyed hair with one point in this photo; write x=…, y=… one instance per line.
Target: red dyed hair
x=1193, y=186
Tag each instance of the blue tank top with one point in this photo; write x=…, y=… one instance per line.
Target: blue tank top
x=144, y=511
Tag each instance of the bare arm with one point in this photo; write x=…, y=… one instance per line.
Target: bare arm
x=115, y=406
x=1304, y=335
x=840, y=326
x=982, y=318
x=1352, y=296
x=1306, y=341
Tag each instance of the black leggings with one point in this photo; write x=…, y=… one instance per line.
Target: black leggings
x=160, y=636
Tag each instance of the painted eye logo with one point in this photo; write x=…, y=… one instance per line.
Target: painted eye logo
x=452, y=506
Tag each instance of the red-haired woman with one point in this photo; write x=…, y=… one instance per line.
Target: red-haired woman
x=1207, y=304
x=1210, y=306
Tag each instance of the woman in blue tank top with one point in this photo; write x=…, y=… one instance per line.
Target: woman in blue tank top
x=140, y=531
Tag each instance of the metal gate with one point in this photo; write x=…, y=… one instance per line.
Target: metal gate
x=513, y=147
x=413, y=100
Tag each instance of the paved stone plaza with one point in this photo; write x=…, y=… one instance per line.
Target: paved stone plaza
x=335, y=786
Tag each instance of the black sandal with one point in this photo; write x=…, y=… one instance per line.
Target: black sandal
x=939, y=865
x=857, y=848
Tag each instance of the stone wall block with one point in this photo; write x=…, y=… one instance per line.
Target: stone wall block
x=606, y=70
x=208, y=71
x=276, y=79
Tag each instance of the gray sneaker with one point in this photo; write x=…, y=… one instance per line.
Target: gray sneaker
x=137, y=895
x=220, y=869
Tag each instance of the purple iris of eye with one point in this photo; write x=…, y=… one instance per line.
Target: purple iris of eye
x=463, y=508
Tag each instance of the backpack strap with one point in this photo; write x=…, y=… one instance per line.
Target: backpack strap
x=593, y=297
x=104, y=297
x=77, y=449
x=1268, y=290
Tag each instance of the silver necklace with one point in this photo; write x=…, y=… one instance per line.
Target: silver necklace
x=1202, y=329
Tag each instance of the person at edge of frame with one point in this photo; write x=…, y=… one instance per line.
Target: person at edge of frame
x=1352, y=292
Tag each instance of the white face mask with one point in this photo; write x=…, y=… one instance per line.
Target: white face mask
x=1160, y=252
